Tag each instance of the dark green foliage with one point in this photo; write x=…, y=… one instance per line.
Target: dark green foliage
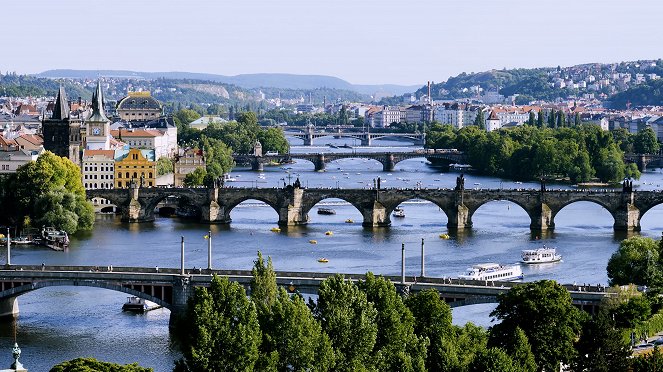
x=645, y=94
x=491, y=360
x=544, y=312
x=601, y=346
x=652, y=362
x=631, y=313
x=469, y=341
x=349, y=320
x=635, y=262
x=164, y=166
x=223, y=333
x=93, y=365
x=397, y=347
x=645, y=142
x=515, y=343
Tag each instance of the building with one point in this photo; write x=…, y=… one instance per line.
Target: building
x=493, y=122
x=98, y=169
x=458, y=115
x=97, y=126
x=30, y=142
x=62, y=134
x=135, y=165
x=419, y=114
x=147, y=139
x=139, y=106
x=10, y=161
x=202, y=122
x=384, y=117
x=191, y=160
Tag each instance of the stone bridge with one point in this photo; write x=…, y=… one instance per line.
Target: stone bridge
x=387, y=159
x=293, y=204
x=308, y=134
x=645, y=160
x=172, y=288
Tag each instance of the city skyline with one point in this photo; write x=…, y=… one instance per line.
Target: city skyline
x=364, y=43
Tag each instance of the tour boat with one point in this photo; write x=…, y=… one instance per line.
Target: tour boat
x=540, y=255
x=323, y=260
x=493, y=271
x=57, y=240
x=326, y=211
x=135, y=304
x=399, y=212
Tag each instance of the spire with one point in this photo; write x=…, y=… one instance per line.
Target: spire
x=61, y=109
x=98, y=105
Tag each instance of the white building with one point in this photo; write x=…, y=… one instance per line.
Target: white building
x=163, y=144
x=97, y=169
x=10, y=161
x=493, y=122
x=457, y=115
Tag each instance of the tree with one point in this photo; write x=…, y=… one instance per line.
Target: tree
x=543, y=310
x=223, y=333
x=184, y=117
x=433, y=322
x=645, y=142
x=552, y=116
x=93, y=365
x=164, y=166
x=48, y=191
x=601, y=346
x=635, y=262
x=631, y=313
x=576, y=119
x=397, y=347
x=491, y=360
x=539, y=119
x=480, y=120
x=195, y=178
x=273, y=139
x=516, y=345
x=652, y=362
x=348, y=318
x=532, y=119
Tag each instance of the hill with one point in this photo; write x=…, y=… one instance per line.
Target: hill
x=248, y=81
x=646, y=94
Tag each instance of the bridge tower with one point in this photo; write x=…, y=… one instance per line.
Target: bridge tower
x=627, y=216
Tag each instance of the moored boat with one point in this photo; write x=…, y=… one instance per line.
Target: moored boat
x=540, y=255
x=22, y=240
x=327, y=211
x=135, y=304
x=57, y=240
x=493, y=271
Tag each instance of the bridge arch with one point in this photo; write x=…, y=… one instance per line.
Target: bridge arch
x=473, y=208
x=399, y=201
x=557, y=209
x=230, y=205
x=20, y=290
x=473, y=300
x=150, y=204
x=310, y=203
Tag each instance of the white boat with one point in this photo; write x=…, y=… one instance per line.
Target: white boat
x=57, y=240
x=135, y=304
x=540, y=255
x=398, y=212
x=22, y=240
x=493, y=271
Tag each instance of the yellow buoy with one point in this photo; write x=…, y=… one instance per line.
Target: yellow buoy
x=313, y=241
x=444, y=236
x=275, y=229
x=323, y=260
x=349, y=221
x=329, y=233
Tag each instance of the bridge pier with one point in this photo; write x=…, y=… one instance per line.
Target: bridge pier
x=292, y=214
x=541, y=218
x=9, y=307
x=627, y=218
x=182, y=291
x=375, y=215
x=389, y=163
x=366, y=141
x=459, y=217
x=257, y=165
x=320, y=163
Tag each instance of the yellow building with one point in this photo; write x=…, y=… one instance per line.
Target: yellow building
x=135, y=165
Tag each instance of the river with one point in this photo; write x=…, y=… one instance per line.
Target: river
x=61, y=323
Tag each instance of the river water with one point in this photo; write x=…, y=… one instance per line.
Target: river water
x=62, y=323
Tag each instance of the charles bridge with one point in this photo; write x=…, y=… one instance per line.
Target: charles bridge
x=172, y=288
x=309, y=133
x=320, y=160
x=294, y=203
x=645, y=160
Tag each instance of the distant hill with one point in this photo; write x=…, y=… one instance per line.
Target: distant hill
x=248, y=81
x=646, y=94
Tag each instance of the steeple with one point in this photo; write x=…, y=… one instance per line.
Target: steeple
x=98, y=105
x=61, y=109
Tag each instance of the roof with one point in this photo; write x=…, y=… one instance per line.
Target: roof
x=493, y=116
x=98, y=114
x=140, y=133
x=133, y=102
x=123, y=153
x=31, y=138
x=105, y=153
x=61, y=107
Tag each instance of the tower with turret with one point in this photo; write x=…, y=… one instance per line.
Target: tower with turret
x=97, y=126
x=62, y=133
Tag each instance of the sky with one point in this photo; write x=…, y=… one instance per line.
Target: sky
x=362, y=41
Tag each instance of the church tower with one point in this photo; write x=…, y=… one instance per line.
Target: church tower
x=97, y=125
x=62, y=134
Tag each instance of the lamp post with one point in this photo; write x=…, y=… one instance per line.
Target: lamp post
x=209, y=250
x=182, y=257
x=9, y=260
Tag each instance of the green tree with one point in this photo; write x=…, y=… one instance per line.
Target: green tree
x=539, y=119
x=93, y=365
x=480, y=119
x=48, y=191
x=195, y=178
x=164, y=166
x=348, y=318
x=397, y=347
x=645, y=142
x=532, y=119
x=652, y=362
x=273, y=139
x=631, y=313
x=184, y=117
x=491, y=360
x=543, y=310
x=433, y=322
x=601, y=346
x=635, y=262
x=576, y=119
x=222, y=327
x=470, y=341
x=516, y=345
x=552, y=119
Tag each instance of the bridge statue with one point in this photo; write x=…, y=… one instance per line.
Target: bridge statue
x=460, y=182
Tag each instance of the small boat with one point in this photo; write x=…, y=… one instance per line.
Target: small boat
x=540, y=255
x=57, y=240
x=399, y=212
x=349, y=221
x=275, y=229
x=228, y=178
x=493, y=271
x=345, y=146
x=444, y=236
x=313, y=241
x=327, y=211
x=323, y=260
x=22, y=240
x=329, y=233
x=135, y=304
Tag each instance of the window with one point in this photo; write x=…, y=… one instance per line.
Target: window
x=119, y=174
x=135, y=175
x=119, y=184
x=127, y=175
x=150, y=174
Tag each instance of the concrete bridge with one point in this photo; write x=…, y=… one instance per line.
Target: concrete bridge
x=387, y=159
x=171, y=288
x=308, y=134
x=645, y=160
x=293, y=204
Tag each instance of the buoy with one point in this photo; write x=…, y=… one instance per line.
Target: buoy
x=444, y=236
x=329, y=233
x=349, y=221
x=323, y=260
x=313, y=241
x=275, y=229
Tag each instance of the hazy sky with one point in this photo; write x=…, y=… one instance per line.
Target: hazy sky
x=364, y=42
